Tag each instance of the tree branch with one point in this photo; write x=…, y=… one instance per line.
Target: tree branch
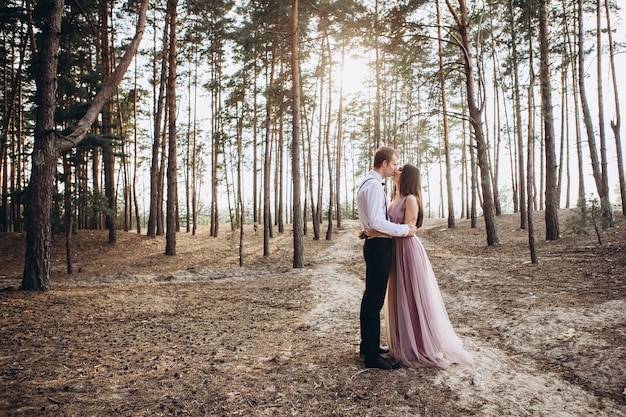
x=65, y=143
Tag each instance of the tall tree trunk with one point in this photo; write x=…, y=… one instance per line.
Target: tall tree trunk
x=267, y=215
x=339, y=156
x=280, y=157
x=607, y=210
x=135, y=152
x=476, y=122
x=194, y=152
x=172, y=192
x=162, y=173
x=314, y=217
x=444, y=111
x=377, y=81
x=593, y=150
x=616, y=124
x=108, y=154
x=255, y=152
x=320, y=148
x=575, y=83
x=9, y=215
x=46, y=149
x=521, y=168
x=67, y=174
x=216, y=133
x=240, y=156
x=552, y=203
x=530, y=169
x=331, y=186
x=298, y=244
x=44, y=157
x=564, y=128
x=464, y=174
x=156, y=190
x=188, y=161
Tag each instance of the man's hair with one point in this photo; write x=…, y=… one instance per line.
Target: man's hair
x=384, y=153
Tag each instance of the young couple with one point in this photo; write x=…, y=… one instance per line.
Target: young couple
x=419, y=332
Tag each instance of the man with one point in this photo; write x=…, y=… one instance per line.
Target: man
x=372, y=206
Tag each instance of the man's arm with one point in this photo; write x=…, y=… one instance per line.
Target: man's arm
x=378, y=217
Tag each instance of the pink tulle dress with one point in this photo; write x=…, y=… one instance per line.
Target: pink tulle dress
x=419, y=332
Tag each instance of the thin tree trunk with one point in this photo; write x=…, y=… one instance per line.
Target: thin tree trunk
x=194, y=158
x=593, y=150
x=377, y=81
x=530, y=169
x=339, y=156
x=552, y=203
x=135, y=152
x=172, y=194
x=331, y=186
x=188, y=161
x=108, y=154
x=564, y=120
x=242, y=212
x=280, y=157
x=67, y=173
x=255, y=152
x=518, y=117
x=298, y=244
x=476, y=122
x=607, y=210
x=444, y=110
x=314, y=217
x=267, y=216
x=156, y=190
x=580, y=201
x=616, y=124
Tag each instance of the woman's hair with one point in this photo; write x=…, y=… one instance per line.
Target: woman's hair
x=411, y=183
x=384, y=153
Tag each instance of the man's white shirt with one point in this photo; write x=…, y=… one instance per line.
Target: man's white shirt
x=372, y=205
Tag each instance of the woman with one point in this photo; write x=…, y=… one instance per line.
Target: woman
x=419, y=332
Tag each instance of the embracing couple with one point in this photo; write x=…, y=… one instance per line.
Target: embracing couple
x=419, y=332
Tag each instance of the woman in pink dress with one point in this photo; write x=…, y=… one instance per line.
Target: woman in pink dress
x=419, y=332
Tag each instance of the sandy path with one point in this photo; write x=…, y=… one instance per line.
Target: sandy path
x=499, y=383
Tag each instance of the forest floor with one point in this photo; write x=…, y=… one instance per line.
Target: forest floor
x=136, y=333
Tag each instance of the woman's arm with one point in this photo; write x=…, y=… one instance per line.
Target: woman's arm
x=411, y=209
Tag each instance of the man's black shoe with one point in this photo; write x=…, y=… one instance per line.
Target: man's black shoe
x=381, y=363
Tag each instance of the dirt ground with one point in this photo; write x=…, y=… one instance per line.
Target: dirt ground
x=136, y=333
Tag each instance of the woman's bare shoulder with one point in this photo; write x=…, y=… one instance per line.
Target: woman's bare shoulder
x=411, y=199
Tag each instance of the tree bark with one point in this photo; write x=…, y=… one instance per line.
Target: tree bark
x=242, y=211
x=107, y=129
x=67, y=174
x=172, y=173
x=588, y=122
x=48, y=144
x=44, y=157
x=607, y=210
x=298, y=244
x=552, y=203
x=446, y=132
x=156, y=191
x=339, y=155
x=476, y=122
x=616, y=124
